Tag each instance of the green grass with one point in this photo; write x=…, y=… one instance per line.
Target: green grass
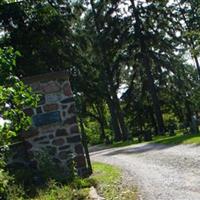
x=108, y=180
x=124, y=143
x=178, y=139
x=78, y=189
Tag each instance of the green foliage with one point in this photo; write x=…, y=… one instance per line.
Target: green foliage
x=92, y=130
x=171, y=121
x=56, y=191
x=142, y=48
x=5, y=178
x=79, y=183
x=33, y=24
x=14, y=97
x=178, y=139
x=52, y=170
x=108, y=179
x=8, y=187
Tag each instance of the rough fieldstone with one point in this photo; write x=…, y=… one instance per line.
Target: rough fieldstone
x=67, y=89
x=80, y=161
x=64, y=114
x=67, y=100
x=36, y=86
x=56, y=160
x=74, y=139
x=79, y=149
x=28, y=145
x=72, y=109
x=64, y=147
x=39, y=110
x=58, y=142
x=84, y=172
x=61, y=132
x=50, y=87
x=30, y=133
x=20, y=154
x=71, y=120
x=29, y=112
x=64, y=107
x=30, y=155
x=46, y=118
x=61, y=80
x=33, y=164
x=39, y=138
x=45, y=142
x=53, y=98
x=50, y=107
x=64, y=155
x=51, y=136
x=74, y=129
x=51, y=150
x=42, y=100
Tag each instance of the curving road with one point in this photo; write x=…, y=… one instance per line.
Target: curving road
x=160, y=172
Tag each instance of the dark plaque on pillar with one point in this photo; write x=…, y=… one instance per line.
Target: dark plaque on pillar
x=47, y=118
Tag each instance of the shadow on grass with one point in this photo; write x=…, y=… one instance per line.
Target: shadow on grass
x=179, y=139
x=102, y=147
x=158, y=144
x=139, y=149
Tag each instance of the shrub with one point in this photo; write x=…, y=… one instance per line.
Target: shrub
x=55, y=191
x=8, y=188
x=51, y=170
x=170, y=121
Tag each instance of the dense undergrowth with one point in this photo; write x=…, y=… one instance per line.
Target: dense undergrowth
x=106, y=178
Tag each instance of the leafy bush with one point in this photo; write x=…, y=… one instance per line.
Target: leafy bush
x=92, y=130
x=51, y=170
x=55, y=191
x=170, y=121
x=5, y=178
x=8, y=187
x=14, y=97
x=79, y=183
x=78, y=189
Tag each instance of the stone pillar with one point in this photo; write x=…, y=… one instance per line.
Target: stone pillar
x=54, y=121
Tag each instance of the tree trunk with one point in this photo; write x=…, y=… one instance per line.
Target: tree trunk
x=188, y=112
x=120, y=118
x=146, y=64
x=197, y=64
x=101, y=122
x=85, y=145
x=115, y=120
x=178, y=111
x=153, y=92
x=153, y=121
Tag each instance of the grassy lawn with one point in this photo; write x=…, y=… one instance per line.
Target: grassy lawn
x=178, y=139
x=123, y=144
x=106, y=178
x=109, y=185
x=78, y=189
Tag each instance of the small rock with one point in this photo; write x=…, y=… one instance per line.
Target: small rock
x=93, y=194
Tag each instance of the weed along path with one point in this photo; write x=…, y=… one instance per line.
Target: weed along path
x=161, y=172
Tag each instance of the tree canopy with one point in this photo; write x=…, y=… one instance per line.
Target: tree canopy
x=144, y=47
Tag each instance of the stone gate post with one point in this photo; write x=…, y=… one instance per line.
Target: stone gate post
x=54, y=121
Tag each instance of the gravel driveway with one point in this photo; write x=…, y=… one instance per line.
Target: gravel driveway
x=160, y=171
